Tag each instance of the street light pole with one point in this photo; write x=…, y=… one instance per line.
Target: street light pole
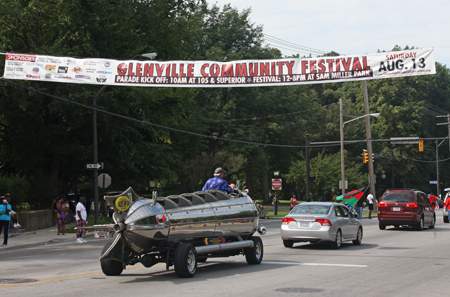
x=94, y=123
x=341, y=121
x=342, y=124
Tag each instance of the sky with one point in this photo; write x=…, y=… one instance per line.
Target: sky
x=351, y=26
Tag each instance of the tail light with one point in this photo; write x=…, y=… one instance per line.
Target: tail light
x=286, y=221
x=324, y=222
x=411, y=204
x=382, y=204
x=161, y=218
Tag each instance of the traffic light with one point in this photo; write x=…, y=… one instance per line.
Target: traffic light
x=373, y=158
x=420, y=145
x=366, y=157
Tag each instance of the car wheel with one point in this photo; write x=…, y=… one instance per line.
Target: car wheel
x=419, y=226
x=288, y=243
x=110, y=267
x=433, y=223
x=337, y=241
x=185, y=260
x=382, y=227
x=254, y=255
x=359, y=237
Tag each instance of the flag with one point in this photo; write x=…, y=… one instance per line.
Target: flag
x=351, y=198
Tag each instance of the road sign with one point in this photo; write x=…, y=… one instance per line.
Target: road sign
x=104, y=180
x=92, y=166
x=404, y=140
x=433, y=182
x=276, y=183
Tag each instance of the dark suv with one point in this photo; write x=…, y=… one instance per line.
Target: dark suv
x=400, y=207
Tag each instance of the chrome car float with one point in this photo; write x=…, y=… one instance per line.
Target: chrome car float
x=181, y=230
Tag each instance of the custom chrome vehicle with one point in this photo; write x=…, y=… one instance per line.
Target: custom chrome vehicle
x=405, y=207
x=321, y=221
x=181, y=230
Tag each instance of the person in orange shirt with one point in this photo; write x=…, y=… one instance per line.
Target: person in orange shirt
x=293, y=201
x=447, y=205
x=433, y=200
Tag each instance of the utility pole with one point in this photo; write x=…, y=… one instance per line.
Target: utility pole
x=438, y=145
x=369, y=140
x=448, y=125
x=307, y=166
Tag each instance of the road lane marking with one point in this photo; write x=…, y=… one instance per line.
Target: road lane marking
x=315, y=264
x=52, y=279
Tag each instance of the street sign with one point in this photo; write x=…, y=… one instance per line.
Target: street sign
x=276, y=183
x=92, y=166
x=104, y=180
x=404, y=140
x=433, y=182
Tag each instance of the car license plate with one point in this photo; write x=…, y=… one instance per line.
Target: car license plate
x=101, y=233
x=396, y=208
x=304, y=224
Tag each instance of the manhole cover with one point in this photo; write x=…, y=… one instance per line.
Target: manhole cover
x=300, y=290
x=17, y=280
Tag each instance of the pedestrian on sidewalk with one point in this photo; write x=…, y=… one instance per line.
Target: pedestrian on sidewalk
x=55, y=210
x=275, y=204
x=14, y=217
x=62, y=215
x=5, y=219
x=293, y=202
x=81, y=216
x=370, y=202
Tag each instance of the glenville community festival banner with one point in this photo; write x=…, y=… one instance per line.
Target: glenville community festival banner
x=245, y=73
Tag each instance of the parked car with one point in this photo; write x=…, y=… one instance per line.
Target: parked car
x=405, y=207
x=445, y=211
x=321, y=222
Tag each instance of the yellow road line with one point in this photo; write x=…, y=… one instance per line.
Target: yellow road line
x=52, y=279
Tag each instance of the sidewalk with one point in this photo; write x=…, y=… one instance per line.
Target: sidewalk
x=19, y=238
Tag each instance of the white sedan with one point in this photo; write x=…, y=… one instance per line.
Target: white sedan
x=321, y=222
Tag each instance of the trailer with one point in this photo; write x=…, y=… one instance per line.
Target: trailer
x=181, y=230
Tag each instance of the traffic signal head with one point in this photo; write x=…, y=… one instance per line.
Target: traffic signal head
x=366, y=157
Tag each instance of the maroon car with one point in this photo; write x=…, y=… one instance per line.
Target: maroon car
x=405, y=207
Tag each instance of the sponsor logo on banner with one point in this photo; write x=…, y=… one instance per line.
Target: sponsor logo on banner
x=48, y=76
x=62, y=69
x=33, y=76
x=104, y=72
x=101, y=79
x=50, y=67
x=77, y=69
x=62, y=76
x=82, y=76
x=21, y=57
x=35, y=70
x=107, y=64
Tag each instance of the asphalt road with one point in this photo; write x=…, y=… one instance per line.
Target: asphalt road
x=392, y=262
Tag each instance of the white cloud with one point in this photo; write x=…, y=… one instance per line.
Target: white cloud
x=354, y=26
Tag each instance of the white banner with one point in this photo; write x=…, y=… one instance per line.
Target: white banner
x=245, y=73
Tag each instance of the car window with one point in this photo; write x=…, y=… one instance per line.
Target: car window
x=398, y=197
x=425, y=199
x=339, y=211
x=306, y=208
x=345, y=210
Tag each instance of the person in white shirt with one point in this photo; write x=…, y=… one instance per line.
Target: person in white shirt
x=81, y=216
x=370, y=202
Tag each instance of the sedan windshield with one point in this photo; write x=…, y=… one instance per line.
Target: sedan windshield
x=306, y=208
x=398, y=197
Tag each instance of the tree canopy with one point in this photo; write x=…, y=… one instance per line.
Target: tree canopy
x=45, y=142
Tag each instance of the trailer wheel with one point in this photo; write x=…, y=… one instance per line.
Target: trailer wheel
x=254, y=255
x=185, y=260
x=110, y=267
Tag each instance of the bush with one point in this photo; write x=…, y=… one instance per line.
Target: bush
x=17, y=186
